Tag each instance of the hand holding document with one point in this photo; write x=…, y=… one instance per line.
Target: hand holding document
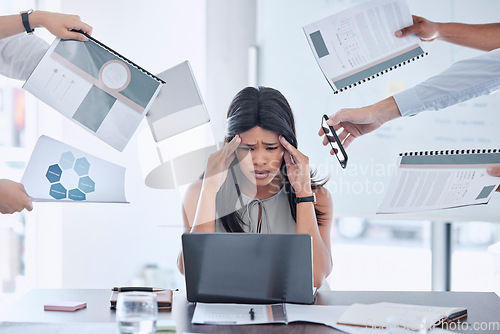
x=58, y=172
x=101, y=91
x=359, y=44
x=439, y=180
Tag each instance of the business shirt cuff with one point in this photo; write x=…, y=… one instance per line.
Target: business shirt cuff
x=408, y=102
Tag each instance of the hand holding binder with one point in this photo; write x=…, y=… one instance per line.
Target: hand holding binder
x=359, y=44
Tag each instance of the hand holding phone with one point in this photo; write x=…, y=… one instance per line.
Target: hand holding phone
x=334, y=141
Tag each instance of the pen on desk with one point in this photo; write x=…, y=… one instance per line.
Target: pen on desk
x=136, y=288
x=252, y=314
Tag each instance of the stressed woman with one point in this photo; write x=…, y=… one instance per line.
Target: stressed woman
x=260, y=182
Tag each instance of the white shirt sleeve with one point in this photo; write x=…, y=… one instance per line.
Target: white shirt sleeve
x=20, y=54
x=462, y=81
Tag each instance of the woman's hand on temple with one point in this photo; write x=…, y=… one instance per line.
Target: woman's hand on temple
x=297, y=168
x=218, y=164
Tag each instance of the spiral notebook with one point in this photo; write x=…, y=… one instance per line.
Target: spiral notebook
x=433, y=180
x=96, y=87
x=358, y=44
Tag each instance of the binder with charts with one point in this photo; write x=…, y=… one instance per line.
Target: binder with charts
x=359, y=44
x=96, y=87
x=434, y=180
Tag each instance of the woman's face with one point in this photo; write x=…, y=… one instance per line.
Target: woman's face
x=260, y=155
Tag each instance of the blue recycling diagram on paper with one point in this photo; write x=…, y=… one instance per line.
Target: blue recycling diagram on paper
x=72, y=174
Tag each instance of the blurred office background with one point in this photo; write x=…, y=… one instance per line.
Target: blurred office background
x=233, y=44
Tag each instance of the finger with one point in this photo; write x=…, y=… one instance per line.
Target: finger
x=230, y=147
x=81, y=27
x=296, y=155
x=29, y=205
x=84, y=27
x=348, y=141
x=288, y=160
x=325, y=141
x=321, y=131
x=287, y=146
x=343, y=135
x=21, y=186
x=229, y=160
x=225, y=147
x=413, y=29
x=234, y=144
x=74, y=35
x=343, y=115
x=495, y=171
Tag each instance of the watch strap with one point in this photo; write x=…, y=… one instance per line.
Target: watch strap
x=26, y=21
x=311, y=198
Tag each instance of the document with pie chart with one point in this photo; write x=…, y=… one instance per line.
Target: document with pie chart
x=95, y=87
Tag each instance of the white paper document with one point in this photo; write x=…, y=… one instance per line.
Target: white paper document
x=411, y=317
x=359, y=43
x=179, y=105
x=328, y=315
x=57, y=172
x=441, y=180
x=241, y=314
x=102, y=92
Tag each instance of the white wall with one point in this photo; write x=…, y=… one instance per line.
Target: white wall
x=104, y=245
x=231, y=31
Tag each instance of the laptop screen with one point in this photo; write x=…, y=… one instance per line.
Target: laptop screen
x=248, y=267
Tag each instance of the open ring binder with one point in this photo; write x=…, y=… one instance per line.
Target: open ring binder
x=359, y=44
x=128, y=61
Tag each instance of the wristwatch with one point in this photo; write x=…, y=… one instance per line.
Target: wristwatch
x=306, y=199
x=26, y=21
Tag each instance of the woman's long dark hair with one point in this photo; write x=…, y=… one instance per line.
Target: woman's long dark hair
x=266, y=108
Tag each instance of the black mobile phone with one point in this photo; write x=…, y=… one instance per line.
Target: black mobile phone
x=334, y=141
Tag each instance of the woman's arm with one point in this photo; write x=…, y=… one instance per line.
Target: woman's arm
x=307, y=222
x=297, y=167
x=199, y=202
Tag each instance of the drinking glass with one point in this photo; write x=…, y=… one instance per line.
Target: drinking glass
x=136, y=312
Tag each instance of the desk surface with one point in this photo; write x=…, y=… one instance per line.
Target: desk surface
x=483, y=308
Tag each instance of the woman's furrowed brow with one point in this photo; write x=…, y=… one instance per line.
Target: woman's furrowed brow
x=264, y=143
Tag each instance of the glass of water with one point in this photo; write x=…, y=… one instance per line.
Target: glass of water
x=136, y=312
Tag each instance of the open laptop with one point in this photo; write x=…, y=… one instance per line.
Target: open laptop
x=248, y=268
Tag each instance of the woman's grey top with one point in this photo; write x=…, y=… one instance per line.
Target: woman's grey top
x=275, y=218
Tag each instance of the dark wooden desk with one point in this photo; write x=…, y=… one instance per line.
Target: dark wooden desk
x=483, y=307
